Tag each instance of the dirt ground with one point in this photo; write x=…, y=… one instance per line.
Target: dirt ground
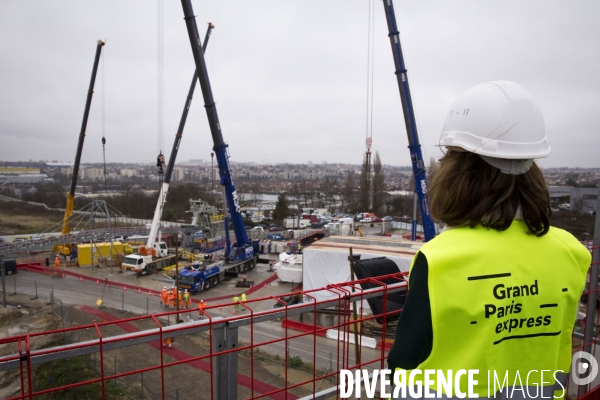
x=16, y=224
x=21, y=316
x=183, y=381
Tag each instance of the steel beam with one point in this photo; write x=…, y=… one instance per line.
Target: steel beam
x=218, y=364
x=111, y=343
x=231, y=335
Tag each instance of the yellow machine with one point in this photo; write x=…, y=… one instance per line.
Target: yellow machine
x=97, y=250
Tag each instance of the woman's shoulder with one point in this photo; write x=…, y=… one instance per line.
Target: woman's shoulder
x=567, y=239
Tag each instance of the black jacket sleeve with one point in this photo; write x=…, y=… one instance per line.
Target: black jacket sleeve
x=414, y=333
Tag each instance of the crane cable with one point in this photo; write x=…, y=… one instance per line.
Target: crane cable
x=370, y=68
x=160, y=104
x=103, y=118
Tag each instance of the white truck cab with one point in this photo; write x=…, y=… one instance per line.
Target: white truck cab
x=136, y=262
x=160, y=248
x=139, y=262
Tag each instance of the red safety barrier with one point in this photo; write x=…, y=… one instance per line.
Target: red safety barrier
x=301, y=326
x=261, y=351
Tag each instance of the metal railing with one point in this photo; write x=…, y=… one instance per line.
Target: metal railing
x=248, y=350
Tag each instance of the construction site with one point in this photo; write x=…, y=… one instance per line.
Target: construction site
x=226, y=304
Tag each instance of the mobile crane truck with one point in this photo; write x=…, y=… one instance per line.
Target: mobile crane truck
x=240, y=256
x=155, y=255
x=414, y=145
x=67, y=249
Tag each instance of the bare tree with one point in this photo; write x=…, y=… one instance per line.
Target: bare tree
x=364, y=187
x=378, y=185
x=349, y=193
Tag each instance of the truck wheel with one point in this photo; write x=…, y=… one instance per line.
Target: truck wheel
x=214, y=281
x=245, y=267
x=206, y=284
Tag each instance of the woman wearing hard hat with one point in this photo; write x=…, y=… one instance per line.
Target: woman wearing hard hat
x=498, y=289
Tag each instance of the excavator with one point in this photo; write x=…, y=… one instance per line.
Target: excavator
x=66, y=249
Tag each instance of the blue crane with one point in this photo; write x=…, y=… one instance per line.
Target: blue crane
x=414, y=145
x=242, y=249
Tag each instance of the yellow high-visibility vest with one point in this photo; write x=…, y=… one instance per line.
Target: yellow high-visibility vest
x=504, y=301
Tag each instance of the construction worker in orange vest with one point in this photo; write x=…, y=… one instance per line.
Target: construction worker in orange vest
x=180, y=300
x=186, y=299
x=201, y=307
x=164, y=296
x=171, y=298
x=57, y=262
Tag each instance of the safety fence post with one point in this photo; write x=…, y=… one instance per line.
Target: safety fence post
x=231, y=361
x=36, y=296
x=2, y=271
x=122, y=301
x=115, y=369
x=147, y=306
x=52, y=299
x=219, y=373
x=588, y=339
x=142, y=384
x=176, y=394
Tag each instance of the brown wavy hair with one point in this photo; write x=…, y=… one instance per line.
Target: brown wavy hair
x=465, y=190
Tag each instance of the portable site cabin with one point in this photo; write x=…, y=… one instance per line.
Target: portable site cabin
x=86, y=251
x=326, y=261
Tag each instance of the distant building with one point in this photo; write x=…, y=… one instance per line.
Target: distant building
x=556, y=192
x=59, y=164
x=178, y=174
x=27, y=178
x=94, y=174
x=128, y=172
x=18, y=171
x=584, y=200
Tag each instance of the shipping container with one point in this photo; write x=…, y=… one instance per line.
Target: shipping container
x=85, y=253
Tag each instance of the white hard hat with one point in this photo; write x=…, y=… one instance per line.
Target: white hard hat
x=500, y=122
x=164, y=287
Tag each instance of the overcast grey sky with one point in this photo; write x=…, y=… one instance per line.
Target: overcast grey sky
x=289, y=77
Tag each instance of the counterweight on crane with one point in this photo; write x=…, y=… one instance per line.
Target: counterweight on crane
x=143, y=262
x=66, y=249
x=414, y=146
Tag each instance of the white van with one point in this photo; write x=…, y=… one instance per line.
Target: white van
x=345, y=221
x=295, y=223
